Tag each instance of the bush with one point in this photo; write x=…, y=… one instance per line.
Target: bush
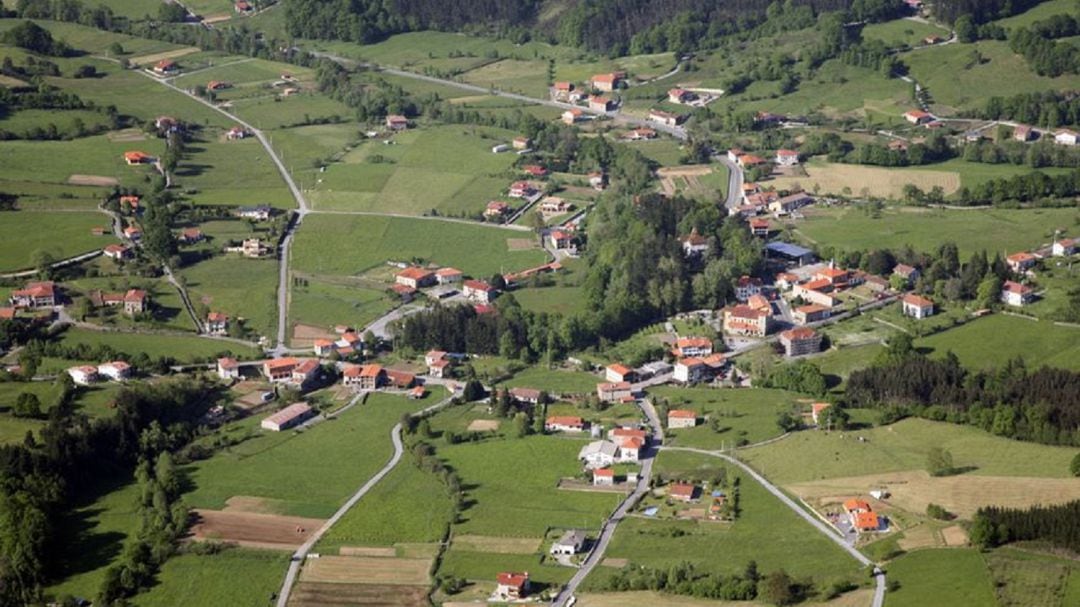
x=938, y=512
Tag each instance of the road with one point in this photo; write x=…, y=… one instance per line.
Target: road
x=302, y=552
x=879, y=591
x=607, y=531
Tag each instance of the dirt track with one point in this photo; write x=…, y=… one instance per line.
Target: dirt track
x=254, y=530
x=95, y=180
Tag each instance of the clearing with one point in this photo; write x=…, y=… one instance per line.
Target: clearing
x=254, y=530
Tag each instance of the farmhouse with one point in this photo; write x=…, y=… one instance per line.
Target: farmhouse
x=116, y=370
x=598, y=454
x=166, y=67
x=446, y=276
x=1016, y=294
x=747, y=287
x=759, y=227
x=665, y=118
x=617, y=372
x=132, y=233
x=415, y=277
x=640, y=134
x=744, y=320
x=117, y=251
x=694, y=244
x=217, y=323
x=401, y=380
x=1065, y=137
x=364, y=377
x=293, y=415
x=83, y=376
x=1021, y=262
x=397, y=122
x=479, y=291
x=614, y=392
x=258, y=213
x=683, y=492
x=1022, y=132
x=800, y=341
x=692, y=346
x=599, y=103
x=909, y=273
x=136, y=301
x=916, y=306
x=560, y=239
x=603, y=477
x=35, y=295
x=787, y=158
x=815, y=411
x=190, y=236
x=571, y=116
x=228, y=368
x=810, y=313
x=564, y=423
x=571, y=543
x=681, y=418
x=521, y=143
x=496, y=208
x=694, y=369
x=236, y=133
x=789, y=203
x=607, y=82
x=917, y=117
x=681, y=96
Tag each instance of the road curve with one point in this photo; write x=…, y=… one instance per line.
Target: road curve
x=879, y=591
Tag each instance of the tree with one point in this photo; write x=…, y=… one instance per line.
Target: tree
x=27, y=405
x=937, y=512
x=473, y=391
x=983, y=533
x=776, y=588
x=939, y=462
x=966, y=31
x=43, y=262
x=1074, y=467
x=989, y=291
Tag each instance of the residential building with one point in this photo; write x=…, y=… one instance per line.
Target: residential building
x=694, y=244
x=446, y=276
x=665, y=118
x=810, y=313
x=681, y=96
x=521, y=143
x=816, y=410
x=236, y=133
x=535, y=170
x=917, y=306
x=137, y=157
x=166, y=67
x=598, y=454
x=759, y=302
x=1064, y=247
x=598, y=103
x=364, y=377
x=479, y=291
x=132, y=233
x=279, y=370
x=683, y=492
x=1021, y=262
x=1022, y=132
x=617, y=372
x=496, y=208
x=603, y=477
x=746, y=321
x=258, y=213
x=529, y=396
x=694, y=369
x=291, y=416
x=118, y=252
x=607, y=82
x=800, y=341
x=116, y=370
x=564, y=423
x=747, y=161
x=1065, y=137
x=136, y=301
x=614, y=392
x=681, y=418
x=787, y=158
x=908, y=273
x=83, y=376
x=305, y=371
x=560, y=239
x=693, y=346
x=552, y=205
x=746, y=287
x=917, y=117
x=43, y=294
x=228, y=368
x=570, y=543
x=572, y=116
x=640, y=134
x=402, y=380
x=415, y=277
x=397, y=122
x=759, y=227
x=217, y=323
x=815, y=291
x=190, y=236
x=522, y=189
x=1016, y=294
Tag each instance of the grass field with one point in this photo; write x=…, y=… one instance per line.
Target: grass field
x=903, y=446
x=231, y=173
x=359, y=439
x=474, y=249
x=1041, y=11
x=97, y=155
x=992, y=340
x=941, y=577
x=555, y=380
x=850, y=179
x=240, y=577
x=991, y=230
x=325, y=304
x=559, y=299
x=21, y=121
x=242, y=288
x=182, y=348
x=1024, y=578
x=61, y=235
x=744, y=415
x=902, y=32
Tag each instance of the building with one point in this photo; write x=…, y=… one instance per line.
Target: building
x=293, y=415
x=446, y=276
x=746, y=321
x=1016, y=294
x=228, y=368
x=697, y=369
x=614, y=392
x=279, y=370
x=535, y=170
x=810, y=313
x=571, y=543
x=217, y=323
x=1022, y=132
x=236, y=133
x=599, y=103
x=607, y=82
x=693, y=346
x=917, y=117
x=683, y=492
x=1064, y=247
x=402, y=380
x=617, y=372
x=496, y=208
x=132, y=233
x=640, y=134
x=572, y=116
x=630, y=442
x=43, y=294
x=564, y=423
x=681, y=96
x=694, y=244
x=1021, y=262
x=816, y=410
x=681, y=418
x=521, y=143
x=397, y=122
x=789, y=252
x=787, y=158
x=137, y=157
x=415, y=277
x=560, y=239
x=1065, y=137
x=908, y=273
x=258, y=213
x=747, y=287
x=747, y=161
x=786, y=204
x=116, y=370
x=438, y=363
x=917, y=306
x=166, y=67
x=816, y=292
x=190, y=236
x=83, y=376
x=479, y=291
x=529, y=396
x=599, y=454
x=118, y=252
x=136, y=301
x=759, y=227
x=603, y=477
x=800, y=341
x=665, y=118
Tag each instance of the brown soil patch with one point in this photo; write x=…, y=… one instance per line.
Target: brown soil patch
x=126, y=135
x=571, y=484
x=367, y=551
x=684, y=171
x=883, y=182
x=857, y=598
x=497, y=545
x=521, y=244
x=254, y=530
x=316, y=594
x=217, y=18
x=920, y=536
x=305, y=335
x=173, y=54
x=961, y=495
x=614, y=563
x=954, y=536
x=9, y=82
x=95, y=180
x=366, y=570
x=483, y=425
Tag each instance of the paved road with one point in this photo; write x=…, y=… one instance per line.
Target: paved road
x=879, y=591
x=607, y=531
x=302, y=552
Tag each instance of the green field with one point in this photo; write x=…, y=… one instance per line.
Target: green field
x=237, y=576
x=558, y=299
x=902, y=32
x=231, y=173
x=242, y=288
x=1043, y=10
x=940, y=577
x=555, y=380
x=61, y=235
x=743, y=415
x=359, y=441
x=346, y=245
x=182, y=348
x=1028, y=578
x=21, y=121
x=991, y=230
x=325, y=304
x=903, y=446
x=992, y=340
x=98, y=156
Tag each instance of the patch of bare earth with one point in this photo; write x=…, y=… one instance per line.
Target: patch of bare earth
x=483, y=425
x=366, y=570
x=94, y=180
x=521, y=244
x=497, y=545
x=255, y=530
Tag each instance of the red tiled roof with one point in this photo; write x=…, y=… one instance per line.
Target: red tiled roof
x=856, y=504
x=866, y=521
x=799, y=333
x=565, y=420
x=516, y=580
x=682, y=414
x=917, y=300
x=414, y=273
x=619, y=368
x=684, y=490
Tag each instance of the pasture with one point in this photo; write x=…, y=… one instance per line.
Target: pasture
x=97, y=155
x=181, y=347
x=901, y=32
x=327, y=304
x=242, y=288
x=558, y=299
x=903, y=446
x=1039, y=12
x=957, y=576
x=270, y=112
x=925, y=229
x=373, y=240
x=555, y=381
x=220, y=172
x=740, y=415
x=238, y=576
x=993, y=340
x=61, y=235
x=850, y=179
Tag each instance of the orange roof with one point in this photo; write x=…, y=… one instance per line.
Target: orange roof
x=7, y=313
x=856, y=504
x=746, y=312
x=685, y=490
x=136, y=156
x=1015, y=287
x=448, y=272
x=565, y=420
x=414, y=273
x=714, y=360
x=323, y=343
x=628, y=432
x=798, y=333
x=516, y=580
x=371, y=370
x=917, y=300
x=1022, y=256
x=832, y=272
x=815, y=285
x=682, y=414
x=280, y=363
x=786, y=153
x=691, y=361
x=693, y=342
x=134, y=295
x=604, y=473
x=217, y=317
x=866, y=521
x=811, y=309
x=819, y=407
x=619, y=368
x=606, y=387
x=609, y=78
x=227, y=363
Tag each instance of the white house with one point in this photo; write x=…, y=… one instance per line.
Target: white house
x=618, y=372
x=116, y=370
x=83, y=376
x=599, y=454
x=1064, y=247
x=564, y=423
x=1065, y=137
x=917, y=307
x=228, y=368
x=787, y=158
x=681, y=418
x=569, y=544
x=1016, y=294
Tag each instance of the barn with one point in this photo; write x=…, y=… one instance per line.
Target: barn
x=288, y=417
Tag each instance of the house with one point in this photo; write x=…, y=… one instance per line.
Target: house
x=898, y=145
x=681, y=96
x=1020, y=262
x=695, y=369
x=789, y=203
x=235, y=133
x=249, y=247
x=917, y=117
x=639, y=134
x=693, y=346
x=479, y=291
x=800, y=341
x=496, y=208
x=132, y=233
x=787, y=158
x=552, y=205
x=511, y=586
x=617, y=372
x=228, y=368
x=562, y=89
x=681, y=418
x=917, y=306
x=932, y=40
x=607, y=82
x=683, y=492
x=1022, y=132
x=744, y=320
x=564, y=423
x=909, y=273
x=401, y=380
x=217, y=323
x=415, y=277
x=258, y=213
x=243, y=7
x=279, y=369
x=815, y=411
x=166, y=67
x=816, y=291
x=747, y=161
x=7, y=313
x=521, y=143
x=603, y=477
x=448, y=276
x=855, y=505
x=1065, y=137
x=614, y=392
x=759, y=227
x=364, y=377
x=571, y=542
x=323, y=347
x=137, y=157
x=1016, y=294
x=630, y=442
x=571, y=116
x=1063, y=247
x=437, y=362
x=529, y=396
x=768, y=118
x=130, y=202
x=865, y=522
x=560, y=239
x=35, y=295
x=599, y=103
x=521, y=189
x=136, y=301
x=83, y=376
x=786, y=280
x=535, y=170
x=116, y=370
x=665, y=118
x=810, y=313
x=304, y=372
x=598, y=454
x=167, y=123
x=397, y=122
x=293, y=415
x=190, y=236
x=596, y=181
x=218, y=85
x=695, y=244
x=746, y=287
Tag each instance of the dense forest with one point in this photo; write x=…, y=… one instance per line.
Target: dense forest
x=1058, y=525
x=980, y=11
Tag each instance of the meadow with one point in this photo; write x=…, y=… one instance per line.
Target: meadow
x=994, y=230
x=97, y=155
x=940, y=577
x=1039, y=12
x=180, y=347
x=558, y=381
x=558, y=299
x=242, y=288
x=326, y=304
x=220, y=172
x=62, y=235
x=237, y=576
x=993, y=340
x=269, y=112
x=347, y=245
x=902, y=32
x=742, y=415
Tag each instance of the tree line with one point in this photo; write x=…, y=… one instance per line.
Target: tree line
x=1057, y=525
